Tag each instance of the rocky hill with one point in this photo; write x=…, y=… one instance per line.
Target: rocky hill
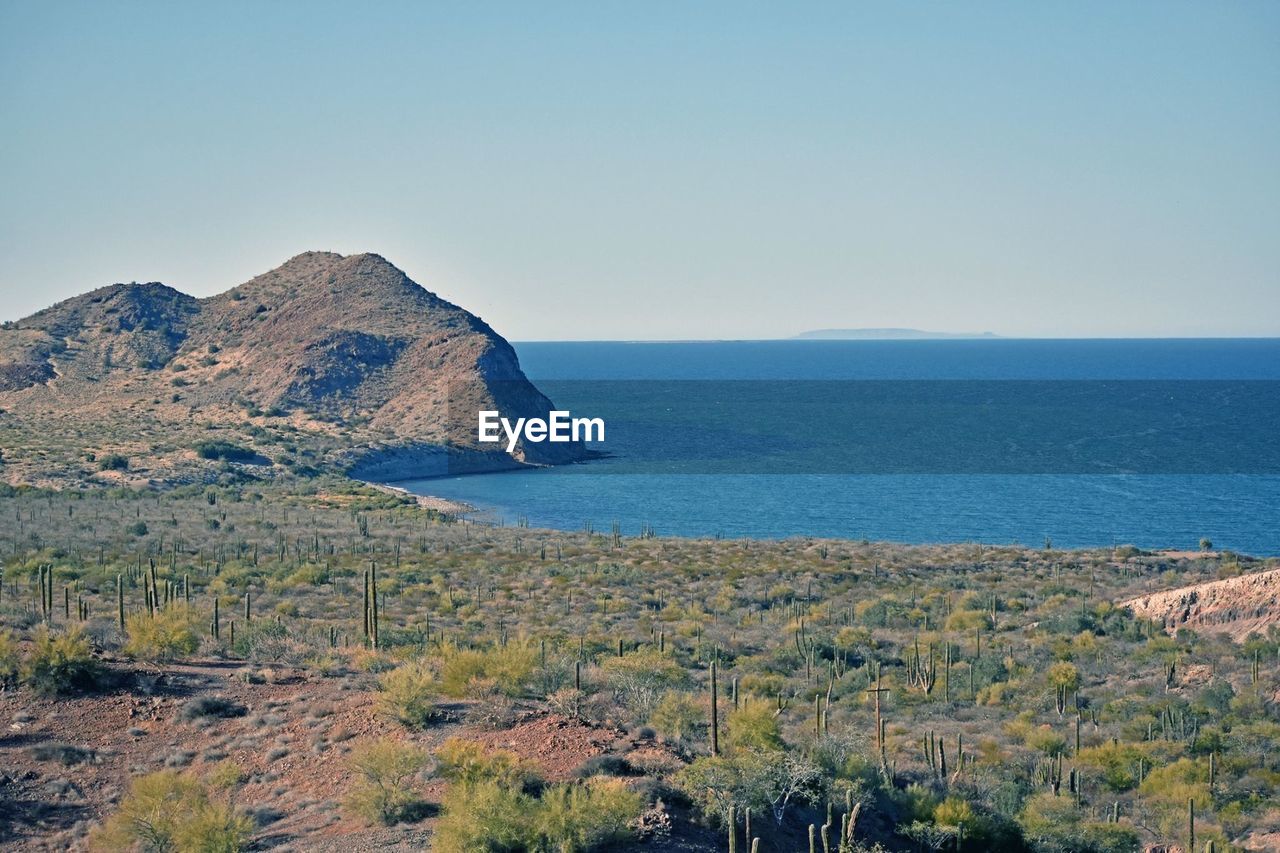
x=324, y=363
x=1234, y=606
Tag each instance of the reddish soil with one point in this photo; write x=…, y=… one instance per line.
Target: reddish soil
x=292, y=745
x=1235, y=606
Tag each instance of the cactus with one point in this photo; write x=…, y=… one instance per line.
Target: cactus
x=715, y=716
x=373, y=603
x=120, y=600
x=1191, y=823
x=733, y=831
x=365, y=608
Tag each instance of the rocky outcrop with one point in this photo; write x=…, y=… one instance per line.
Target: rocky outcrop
x=1234, y=606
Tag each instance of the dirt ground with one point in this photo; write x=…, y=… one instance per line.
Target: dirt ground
x=292, y=745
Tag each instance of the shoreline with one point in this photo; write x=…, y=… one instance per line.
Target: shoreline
x=461, y=509
x=441, y=505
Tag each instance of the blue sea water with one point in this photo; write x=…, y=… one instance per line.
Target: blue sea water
x=1083, y=442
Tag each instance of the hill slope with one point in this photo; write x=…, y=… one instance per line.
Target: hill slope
x=1234, y=606
x=341, y=362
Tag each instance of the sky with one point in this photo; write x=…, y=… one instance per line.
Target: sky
x=663, y=170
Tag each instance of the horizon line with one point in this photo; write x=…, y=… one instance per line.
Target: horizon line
x=957, y=339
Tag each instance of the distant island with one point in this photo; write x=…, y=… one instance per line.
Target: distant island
x=883, y=335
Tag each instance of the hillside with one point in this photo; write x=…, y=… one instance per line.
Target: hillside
x=326, y=362
x=343, y=670
x=1235, y=606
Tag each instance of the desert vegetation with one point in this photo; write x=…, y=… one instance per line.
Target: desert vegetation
x=219, y=667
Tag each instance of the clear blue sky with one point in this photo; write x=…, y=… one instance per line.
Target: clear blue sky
x=663, y=170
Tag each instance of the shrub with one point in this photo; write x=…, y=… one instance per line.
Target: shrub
x=263, y=640
x=167, y=635
x=8, y=657
x=969, y=621
x=678, y=715
x=408, y=694
x=383, y=793
x=510, y=668
x=484, y=817
x=604, y=765
x=492, y=816
x=588, y=816
x=754, y=726
x=1045, y=739
x=63, y=753
x=466, y=761
x=639, y=678
x=1064, y=676
x=211, y=706
x=764, y=781
x=172, y=811
x=1117, y=762
x=61, y=663
x=954, y=812
x=113, y=462
x=224, y=450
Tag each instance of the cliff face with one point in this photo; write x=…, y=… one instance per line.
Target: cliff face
x=362, y=368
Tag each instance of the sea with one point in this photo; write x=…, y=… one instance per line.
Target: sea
x=1160, y=444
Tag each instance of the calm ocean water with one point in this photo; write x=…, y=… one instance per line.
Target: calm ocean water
x=1151, y=442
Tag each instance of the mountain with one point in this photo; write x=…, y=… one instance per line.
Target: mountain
x=883, y=335
x=324, y=363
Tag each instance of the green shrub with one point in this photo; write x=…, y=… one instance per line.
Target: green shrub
x=461, y=760
x=508, y=668
x=492, y=816
x=61, y=663
x=383, y=793
x=1117, y=763
x=678, y=715
x=485, y=817
x=169, y=634
x=8, y=657
x=224, y=450
x=408, y=694
x=113, y=462
x=592, y=815
x=754, y=726
x=172, y=811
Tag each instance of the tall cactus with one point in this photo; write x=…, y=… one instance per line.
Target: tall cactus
x=715, y=713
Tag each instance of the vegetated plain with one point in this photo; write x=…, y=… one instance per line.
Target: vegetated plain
x=310, y=664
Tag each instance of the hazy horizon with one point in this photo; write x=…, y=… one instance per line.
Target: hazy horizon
x=663, y=173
